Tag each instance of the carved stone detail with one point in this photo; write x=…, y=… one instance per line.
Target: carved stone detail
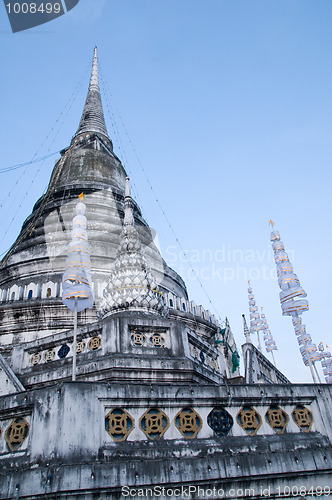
x=119, y=424
x=277, y=419
x=249, y=420
x=188, y=422
x=16, y=433
x=303, y=418
x=94, y=343
x=220, y=421
x=154, y=423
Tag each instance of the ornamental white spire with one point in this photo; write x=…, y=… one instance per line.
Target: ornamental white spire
x=270, y=344
x=77, y=293
x=76, y=280
x=326, y=359
x=258, y=323
x=293, y=302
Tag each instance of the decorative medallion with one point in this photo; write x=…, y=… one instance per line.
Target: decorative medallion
x=202, y=356
x=249, y=419
x=49, y=355
x=188, y=422
x=277, y=419
x=119, y=424
x=80, y=346
x=35, y=358
x=138, y=338
x=16, y=433
x=157, y=340
x=303, y=418
x=220, y=421
x=154, y=423
x=63, y=351
x=94, y=343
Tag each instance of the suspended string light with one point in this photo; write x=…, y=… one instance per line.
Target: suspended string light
x=293, y=303
x=77, y=293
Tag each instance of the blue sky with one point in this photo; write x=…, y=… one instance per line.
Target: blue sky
x=228, y=105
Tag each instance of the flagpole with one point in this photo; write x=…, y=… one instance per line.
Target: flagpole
x=317, y=373
x=74, y=341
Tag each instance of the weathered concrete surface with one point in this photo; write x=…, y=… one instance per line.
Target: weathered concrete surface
x=69, y=454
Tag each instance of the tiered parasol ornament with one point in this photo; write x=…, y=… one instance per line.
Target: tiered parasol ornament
x=255, y=320
x=270, y=344
x=326, y=360
x=293, y=303
x=258, y=323
x=77, y=293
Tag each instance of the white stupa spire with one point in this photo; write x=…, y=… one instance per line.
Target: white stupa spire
x=132, y=284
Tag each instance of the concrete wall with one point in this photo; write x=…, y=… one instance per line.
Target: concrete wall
x=68, y=449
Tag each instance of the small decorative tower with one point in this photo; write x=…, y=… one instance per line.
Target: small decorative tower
x=131, y=284
x=293, y=302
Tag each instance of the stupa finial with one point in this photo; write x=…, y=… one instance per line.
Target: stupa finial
x=92, y=119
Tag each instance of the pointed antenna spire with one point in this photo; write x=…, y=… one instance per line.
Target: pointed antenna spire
x=92, y=119
x=128, y=206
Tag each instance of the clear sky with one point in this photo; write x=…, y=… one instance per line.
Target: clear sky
x=228, y=106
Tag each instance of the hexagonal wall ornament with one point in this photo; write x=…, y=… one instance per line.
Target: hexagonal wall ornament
x=188, y=422
x=249, y=420
x=16, y=433
x=277, y=418
x=303, y=418
x=119, y=424
x=154, y=423
x=220, y=421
